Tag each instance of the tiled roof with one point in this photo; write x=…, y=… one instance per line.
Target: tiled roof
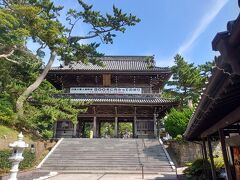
x=115, y=63
x=121, y=99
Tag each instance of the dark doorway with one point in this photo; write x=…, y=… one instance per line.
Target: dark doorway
x=84, y=129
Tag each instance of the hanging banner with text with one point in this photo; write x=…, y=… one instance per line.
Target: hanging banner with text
x=105, y=90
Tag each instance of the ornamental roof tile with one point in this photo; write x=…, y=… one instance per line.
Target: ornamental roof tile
x=115, y=63
x=119, y=99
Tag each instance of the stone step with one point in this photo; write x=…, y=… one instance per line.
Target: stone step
x=87, y=167
x=113, y=170
x=108, y=155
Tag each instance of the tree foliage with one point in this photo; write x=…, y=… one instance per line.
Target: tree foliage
x=186, y=82
x=39, y=21
x=41, y=109
x=177, y=120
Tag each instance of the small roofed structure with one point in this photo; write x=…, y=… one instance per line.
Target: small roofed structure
x=217, y=115
x=125, y=89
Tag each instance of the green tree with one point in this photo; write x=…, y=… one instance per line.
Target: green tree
x=177, y=120
x=125, y=128
x=206, y=68
x=107, y=129
x=39, y=20
x=186, y=82
x=42, y=109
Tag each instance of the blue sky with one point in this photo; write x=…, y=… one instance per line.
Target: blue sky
x=167, y=27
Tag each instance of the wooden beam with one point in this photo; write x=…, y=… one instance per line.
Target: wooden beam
x=113, y=115
x=231, y=118
x=213, y=170
x=224, y=152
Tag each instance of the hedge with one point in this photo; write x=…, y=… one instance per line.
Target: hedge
x=5, y=164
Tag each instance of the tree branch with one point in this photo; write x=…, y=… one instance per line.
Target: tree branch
x=96, y=33
x=6, y=56
x=22, y=98
x=72, y=26
x=43, y=46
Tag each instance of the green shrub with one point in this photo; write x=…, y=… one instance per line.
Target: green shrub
x=218, y=163
x=29, y=160
x=5, y=164
x=177, y=121
x=179, y=138
x=196, y=169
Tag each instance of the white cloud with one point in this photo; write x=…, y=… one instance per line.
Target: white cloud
x=203, y=24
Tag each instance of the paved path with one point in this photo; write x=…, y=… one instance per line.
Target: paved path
x=112, y=177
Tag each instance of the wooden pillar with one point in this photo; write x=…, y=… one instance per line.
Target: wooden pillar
x=97, y=129
x=205, y=157
x=213, y=170
x=135, y=122
x=94, y=126
x=75, y=130
x=150, y=85
x=224, y=152
x=116, y=127
x=204, y=149
x=55, y=130
x=94, y=123
x=155, y=125
x=116, y=123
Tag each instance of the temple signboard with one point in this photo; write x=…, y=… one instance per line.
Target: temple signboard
x=104, y=90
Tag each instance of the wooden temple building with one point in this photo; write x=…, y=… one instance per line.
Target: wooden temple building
x=124, y=89
x=217, y=116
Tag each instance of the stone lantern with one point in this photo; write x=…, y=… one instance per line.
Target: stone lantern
x=18, y=147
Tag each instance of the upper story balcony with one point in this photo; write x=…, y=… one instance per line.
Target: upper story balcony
x=116, y=72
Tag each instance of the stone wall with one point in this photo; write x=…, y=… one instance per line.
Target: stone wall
x=43, y=147
x=185, y=152
x=188, y=151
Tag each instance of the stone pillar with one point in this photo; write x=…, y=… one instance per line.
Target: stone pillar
x=116, y=127
x=155, y=124
x=94, y=126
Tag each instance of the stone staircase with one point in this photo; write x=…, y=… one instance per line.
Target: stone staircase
x=108, y=155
